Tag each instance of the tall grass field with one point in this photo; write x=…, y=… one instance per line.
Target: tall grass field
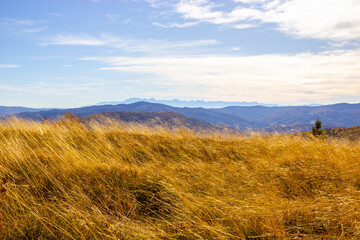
x=65, y=180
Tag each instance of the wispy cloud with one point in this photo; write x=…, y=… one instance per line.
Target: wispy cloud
x=55, y=14
x=176, y=25
x=21, y=26
x=250, y=1
x=113, y=17
x=128, y=45
x=81, y=40
x=33, y=30
x=22, y=22
x=281, y=78
x=319, y=19
x=158, y=3
x=117, y=18
x=48, y=57
x=69, y=88
x=9, y=66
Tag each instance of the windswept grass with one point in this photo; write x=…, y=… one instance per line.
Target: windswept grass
x=64, y=181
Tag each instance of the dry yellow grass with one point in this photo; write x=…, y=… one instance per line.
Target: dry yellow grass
x=64, y=181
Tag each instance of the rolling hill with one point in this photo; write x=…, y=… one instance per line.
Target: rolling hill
x=243, y=118
x=352, y=133
x=183, y=103
x=6, y=111
x=209, y=115
x=342, y=114
x=167, y=119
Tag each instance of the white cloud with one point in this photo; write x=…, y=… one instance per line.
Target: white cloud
x=34, y=30
x=320, y=19
x=9, y=66
x=20, y=26
x=65, y=87
x=251, y=1
x=243, y=26
x=157, y=3
x=55, y=14
x=176, y=25
x=74, y=40
x=204, y=11
x=113, y=17
x=287, y=79
x=117, y=17
x=129, y=45
x=44, y=57
x=159, y=46
x=23, y=22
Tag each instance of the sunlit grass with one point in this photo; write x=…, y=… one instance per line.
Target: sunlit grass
x=66, y=181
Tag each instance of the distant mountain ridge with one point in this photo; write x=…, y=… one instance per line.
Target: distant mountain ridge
x=209, y=115
x=237, y=117
x=190, y=103
x=341, y=114
x=5, y=111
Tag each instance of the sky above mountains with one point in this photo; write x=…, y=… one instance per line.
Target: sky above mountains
x=66, y=53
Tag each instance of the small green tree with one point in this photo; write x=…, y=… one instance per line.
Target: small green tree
x=317, y=131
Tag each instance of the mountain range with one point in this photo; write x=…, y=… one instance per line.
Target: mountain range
x=287, y=119
x=183, y=103
x=6, y=111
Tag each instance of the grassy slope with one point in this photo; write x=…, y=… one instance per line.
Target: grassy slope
x=169, y=119
x=352, y=133
x=66, y=182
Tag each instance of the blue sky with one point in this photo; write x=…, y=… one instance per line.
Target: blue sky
x=67, y=53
